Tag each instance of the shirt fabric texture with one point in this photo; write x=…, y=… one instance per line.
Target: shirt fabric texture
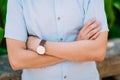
x=58, y=21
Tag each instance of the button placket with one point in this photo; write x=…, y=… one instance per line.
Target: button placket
x=59, y=22
x=64, y=72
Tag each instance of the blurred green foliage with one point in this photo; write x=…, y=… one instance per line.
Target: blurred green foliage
x=112, y=8
x=110, y=13
x=3, y=8
x=1, y=34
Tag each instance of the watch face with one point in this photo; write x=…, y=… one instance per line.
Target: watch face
x=40, y=50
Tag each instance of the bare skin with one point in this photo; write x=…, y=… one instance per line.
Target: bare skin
x=22, y=56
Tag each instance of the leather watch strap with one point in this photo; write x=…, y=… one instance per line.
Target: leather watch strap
x=42, y=42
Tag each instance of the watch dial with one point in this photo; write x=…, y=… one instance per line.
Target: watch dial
x=40, y=49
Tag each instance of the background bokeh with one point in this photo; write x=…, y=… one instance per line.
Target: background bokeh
x=3, y=8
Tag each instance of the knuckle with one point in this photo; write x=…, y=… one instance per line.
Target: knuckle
x=87, y=24
x=91, y=27
x=92, y=32
x=96, y=30
x=96, y=24
x=100, y=28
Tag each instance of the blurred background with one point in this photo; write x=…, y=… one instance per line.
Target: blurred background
x=112, y=8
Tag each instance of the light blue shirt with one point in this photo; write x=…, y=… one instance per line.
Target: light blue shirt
x=59, y=21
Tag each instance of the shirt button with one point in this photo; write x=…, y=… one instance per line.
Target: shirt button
x=61, y=39
x=58, y=18
x=65, y=77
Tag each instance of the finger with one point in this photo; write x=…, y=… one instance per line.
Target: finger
x=92, y=27
x=93, y=32
x=95, y=36
x=88, y=24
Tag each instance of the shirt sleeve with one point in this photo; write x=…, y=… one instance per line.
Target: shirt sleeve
x=15, y=24
x=95, y=9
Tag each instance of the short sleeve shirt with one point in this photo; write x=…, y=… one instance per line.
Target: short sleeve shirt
x=58, y=21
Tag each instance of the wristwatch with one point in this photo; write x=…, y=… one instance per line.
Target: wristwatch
x=41, y=48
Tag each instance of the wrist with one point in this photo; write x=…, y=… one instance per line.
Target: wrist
x=33, y=43
x=41, y=49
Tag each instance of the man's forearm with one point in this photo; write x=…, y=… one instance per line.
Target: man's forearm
x=73, y=51
x=21, y=58
x=86, y=48
x=30, y=59
x=83, y=50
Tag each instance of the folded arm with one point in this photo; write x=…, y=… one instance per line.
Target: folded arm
x=21, y=57
x=82, y=50
x=90, y=48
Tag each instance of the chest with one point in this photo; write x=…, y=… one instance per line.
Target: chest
x=51, y=16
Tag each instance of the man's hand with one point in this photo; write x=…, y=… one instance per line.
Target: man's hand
x=90, y=31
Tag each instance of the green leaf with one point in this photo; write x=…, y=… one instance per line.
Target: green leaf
x=3, y=9
x=117, y=4
x=110, y=12
x=1, y=34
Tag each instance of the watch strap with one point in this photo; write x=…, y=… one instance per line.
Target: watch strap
x=42, y=43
